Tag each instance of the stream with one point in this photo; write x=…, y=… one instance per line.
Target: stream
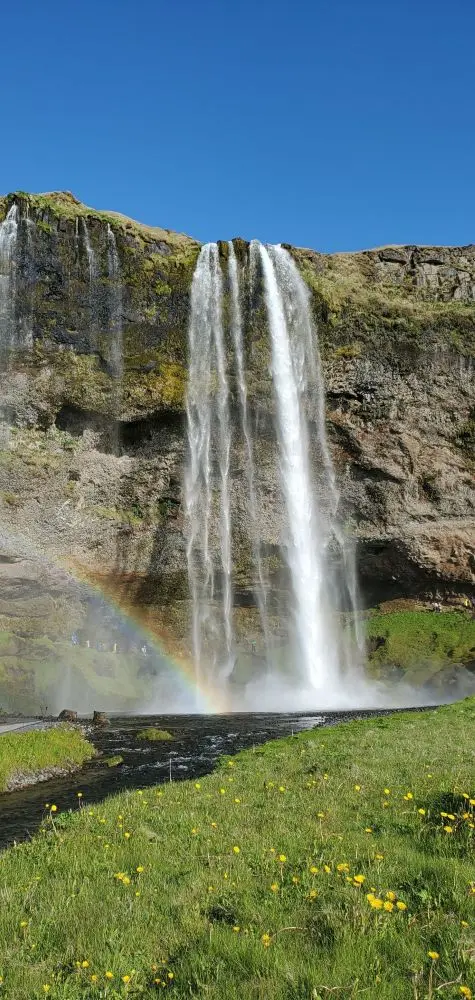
x=198, y=742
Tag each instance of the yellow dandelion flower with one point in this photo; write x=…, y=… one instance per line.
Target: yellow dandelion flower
x=194, y=831
x=464, y=923
x=327, y=869
x=313, y=869
x=281, y=788
x=343, y=867
x=408, y=796
x=236, y=929
x=313, y=894
x=466, y=992
x=140, y=869
x=376, y=904
x=387, y=791
x=236, y=849
x=421, y=812
x=79, y=795
x=357, y=788
x=385, y=804
x=444, y=815
x=197, y=785
x=109, y=975
x=379, y=857
x=94, y=977
x=449, y=829
x=137, y=893
x=282, y=858
x=214, y=826
x=126, y=979
x=389, y=906
x=369, y=896
x=23, y=923
x=320, y=815
x=274, y=887
x=85, y=964
x=359, y=879
x=46, y=987
x=400, y=905
x=127, y=835
x=434, y=955
x=391, y=895
x=222, y=791
x=170, y=975
x=451, y=817
x=266, y=940
x=295, y=879
x=472, y=802
x=53, y=809
x=237, y=801
x=368, y=829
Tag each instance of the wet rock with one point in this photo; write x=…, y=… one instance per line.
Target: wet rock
x=100, y=719
x=67, y=715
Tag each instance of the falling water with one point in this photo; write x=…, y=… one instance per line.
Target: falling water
x=208, y=433
x=91, y=256
x=8, y=266
x=311, y=533
x=237, y=338
x=115, y=304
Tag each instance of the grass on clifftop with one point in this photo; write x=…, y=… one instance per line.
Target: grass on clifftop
x=338, y=862
x=27, y=754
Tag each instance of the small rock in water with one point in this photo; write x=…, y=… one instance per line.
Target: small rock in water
x=100, y=719
x=67, y=715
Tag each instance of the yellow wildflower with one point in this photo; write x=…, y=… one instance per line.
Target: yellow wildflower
x=197, y=785
x=222, y=791
x=46, y=987
x=400, y=905
x=327, y=869
x=389, y=906
x=53, y=809
x=357, y=788
x=237, y=801
x=79, y=795
x=295, y=879
x=408, y=796
x=94, y=977
x=464, y=923
x=391, y=895
x=274, y=887
x=385, y=804
x=313, y=894
x=236, y=929
x=313, y=869
x=126, y=979
x=109, y=975
x=320, y=815
x=449, y=829
x=368, y=829
x=281, y=788
x=140, y=869
x=377, y=904
x=379, y=857
x=343, y=867
x=359, y=879
x=266, y=940
x=387, y=791
x=421, y=812
x=434, y=955
x=236, y=849
x=282, y=858
x=127, y=835
x=466, y=992
x=23, y=923
x=85, y=964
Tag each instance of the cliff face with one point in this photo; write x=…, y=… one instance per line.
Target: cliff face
x=93, y=444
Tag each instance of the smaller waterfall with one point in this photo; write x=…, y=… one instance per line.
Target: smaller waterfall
x=8, y=274
x=208, y=434
x=237, y=337
x=90, y=254
x=115, y=304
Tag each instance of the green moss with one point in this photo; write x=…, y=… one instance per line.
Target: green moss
x=348, y=351
x=114, y=761
x=153, y=734
x=421, y=642
x=24, y=755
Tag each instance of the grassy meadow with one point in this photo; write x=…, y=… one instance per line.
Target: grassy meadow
x=28, y=754
x=335, y=863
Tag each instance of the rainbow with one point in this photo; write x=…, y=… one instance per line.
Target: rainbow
x=208, y=699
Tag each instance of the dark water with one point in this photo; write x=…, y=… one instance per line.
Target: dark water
x=198, y=742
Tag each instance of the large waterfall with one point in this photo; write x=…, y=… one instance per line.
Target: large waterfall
x=322, y=640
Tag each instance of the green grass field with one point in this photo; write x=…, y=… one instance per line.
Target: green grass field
x=338, y=862
x=29, y=753
x=421, y=642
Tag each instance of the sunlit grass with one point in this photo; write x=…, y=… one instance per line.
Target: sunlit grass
x=337, y=860
x=26, y=754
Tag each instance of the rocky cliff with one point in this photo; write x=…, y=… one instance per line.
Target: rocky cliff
x=92, y=448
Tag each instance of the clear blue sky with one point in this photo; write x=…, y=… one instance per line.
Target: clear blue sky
x=336, y=124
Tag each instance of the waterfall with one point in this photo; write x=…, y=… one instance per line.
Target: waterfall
x=115, y=303
x=8, y=267
x=237, y=339
x=320, y=559
x=209, y=433
x=91, y=257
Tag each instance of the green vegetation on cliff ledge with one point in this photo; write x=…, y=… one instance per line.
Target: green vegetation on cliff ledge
x=335, y=862
x=152, y=734
x=421, y=642
x=25, y=756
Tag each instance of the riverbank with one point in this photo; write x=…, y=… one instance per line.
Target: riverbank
x=337, y=859
x=39, y=754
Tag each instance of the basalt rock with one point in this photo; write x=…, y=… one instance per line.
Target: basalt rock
x=91, y=466
x=100, y=719
x=67, y=715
